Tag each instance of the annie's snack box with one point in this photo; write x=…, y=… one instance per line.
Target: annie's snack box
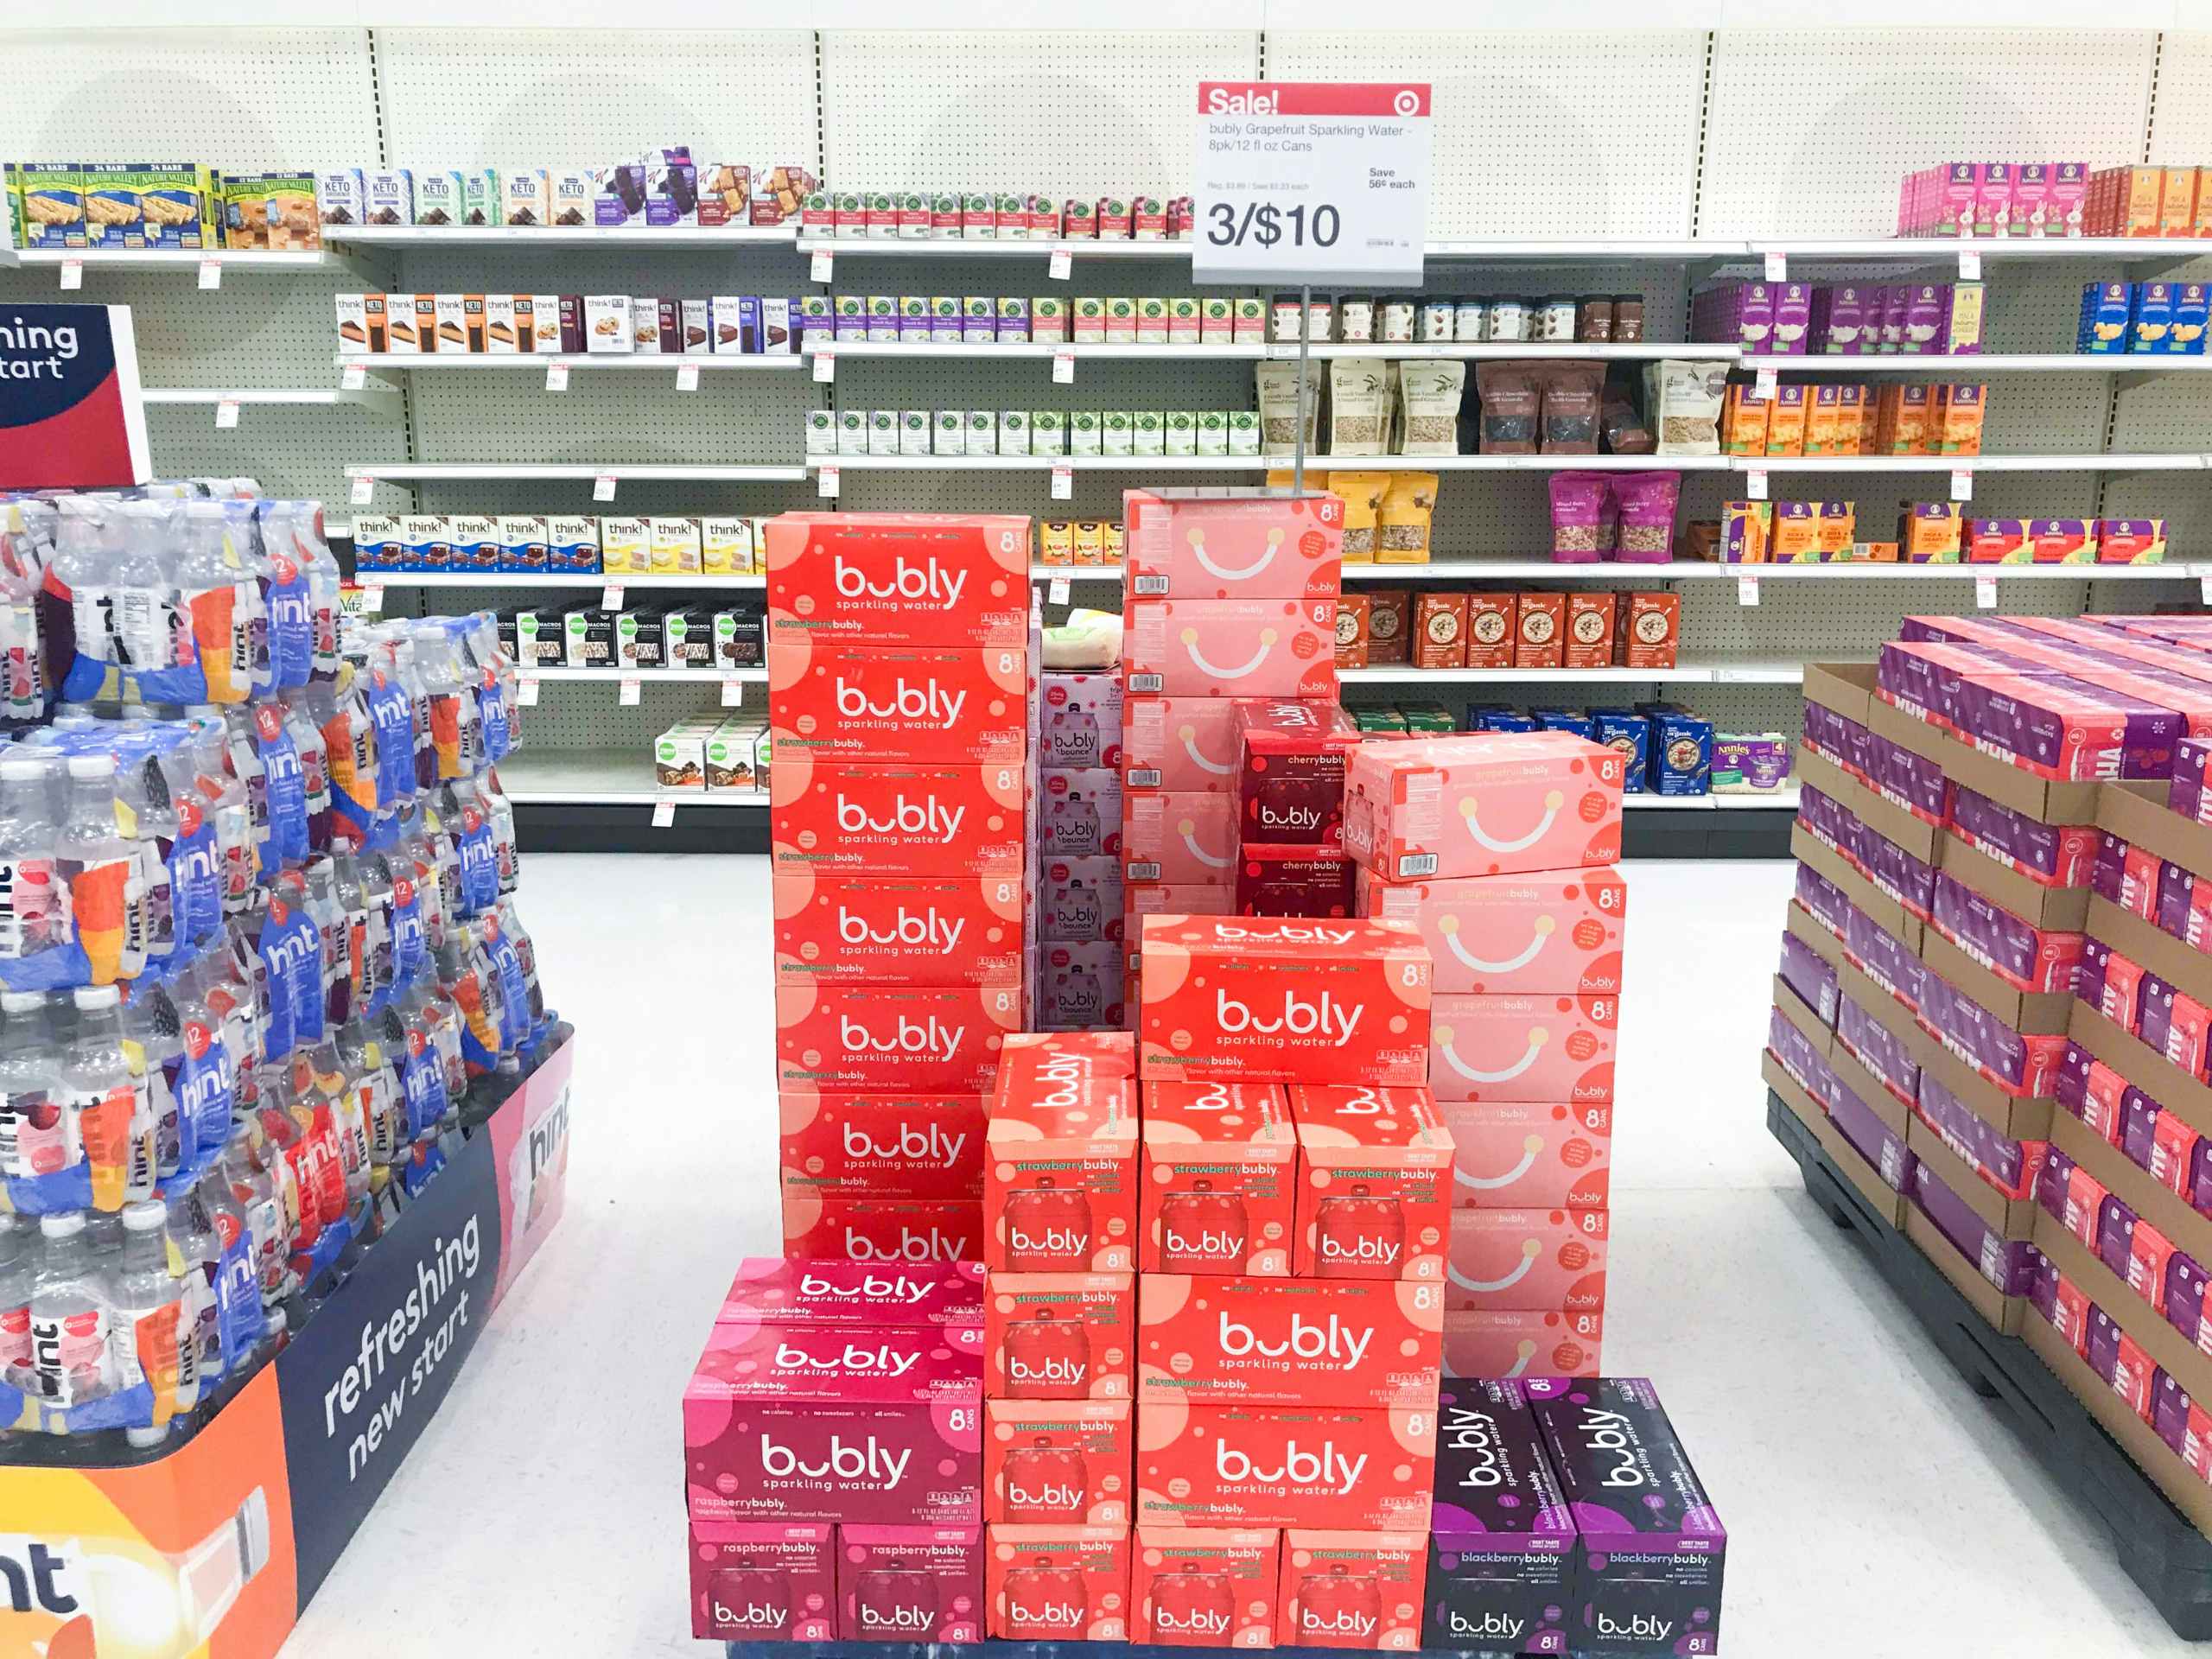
x=1204, y=1586
x=852, y=818
x=1060, y=1178
x=1194, y=544
x=1373, y=1183
x=906, y=704
x=1061, y=1336
x=910, y=1584
x=1366, y=1469
x=932, y=1038
x=803, y=1294
x=1217, y=1195
x=1487, y=805
x=1230, y=647
x=1530, y=1154
x=888, y=930
x=902, y=1145
x=1529, y=1258
x=1058, y=1462
x=1288, y=1342
x=1525, y=1046
x=763, y=1581
x=1501, y=1571
x=1534, y=931
x=1352, y=1590
x=899, y=579
x=1058, y=1583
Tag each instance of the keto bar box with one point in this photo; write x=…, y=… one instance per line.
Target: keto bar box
x=1373, y=1189
x=1500, y=1570
x=1217, y=1190
x=1541, y=930
x=1058, y=1462
x=1288, y=1342
x=1488, y=803
x=1060, y=1178
x=893, y=932
x=886, y=579
x=1366, y=1470
x=1525, y=1046
x=1058, y=1583
x=1061, y=1336
x=852, y=818
x=937, y=706
x=1204, y=1586
x=806, y=1295
x=1352, y=1590
x=939, y=1039
x=1194, y=544
x=883, y=1145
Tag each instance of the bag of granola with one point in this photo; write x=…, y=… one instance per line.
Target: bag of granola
x=1359, y=406
x=1646, y=508
x=1511, y=406
x=1683, y=401
x=1625, y=434
x=1571, y=393
x=1428, y=400
x=1279, y=413
x=1582, y=517
x=1362, y=494
x=1401, y=524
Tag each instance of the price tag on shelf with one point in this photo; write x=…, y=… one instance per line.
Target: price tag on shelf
x=1747, y=589
x=610, y=597
x=364, y=487
x=1755, y=483
x=72, y=274
x=2205, y=586
x=373, y=598
x=1063, y=265
x=631, y=686
x=1057, y=593
x=557, y=376
x=602, y=488
x=526, y=691
x=226, y=413
x=1962, y=484
x=686, y=377
x=733, y=691
x=664, y=814
x=1062, y=483
x=825, y=366
x=1985, y=590
x=825, y=482
x=1969, y=265
x=1777, y=268
x=353, y=377
x=210, y=273
x=824, y=264
x=1063, y=368
x=1768, y=383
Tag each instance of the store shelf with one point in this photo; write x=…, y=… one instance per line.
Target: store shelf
x=1972, y=363
x=1784, y=800
x=1933, y=250
x=386, y=363
x=591, y=777
x=1589, y=250
x=1699, y=570
x=2179, y=461
x=1260, y=463
x=703, y=676
x=247, y=261
x=528, y=580
x=1549, y=350
x=1683, y=674
x=559, y=238
x=1274, y=350
x=380, y=400
x=408, y=472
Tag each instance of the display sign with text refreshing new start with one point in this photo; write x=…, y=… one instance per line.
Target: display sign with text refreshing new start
x=1312, y=181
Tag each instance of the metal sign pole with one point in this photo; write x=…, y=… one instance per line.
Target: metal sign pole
x=1305, y=336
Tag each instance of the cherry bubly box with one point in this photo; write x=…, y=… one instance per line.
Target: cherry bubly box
x=1310, y=1000
x=898, y=704
x=1290, y=774
x=1351, y=1589
x=1058, y=1462
x=788, y=1291
x=897, y=932
x=1203, y=1587
x=1180, y=544
x=908, y=1232
x=1061, y=1336
x=1230, y=647
x=1365, y=1470
x=1538, y=931
x=1060, y=1179
x=930, y=1039
x=1484, y=803
x=1288, y=1342
x=899, y=1145
x=882, y=579
x=763, y=1581
x=1058, y=1583
x=1176, y=838
x=1217, y=1189
x=1529, y=1258
x=1186, y=744
x=1525, y=1047
x=1529, y=1154
x=1374, y=1186
x=851, y=818
x=1521, y=1342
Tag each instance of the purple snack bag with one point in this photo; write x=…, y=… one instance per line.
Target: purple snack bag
x=1646, y=504
x=1580, y=520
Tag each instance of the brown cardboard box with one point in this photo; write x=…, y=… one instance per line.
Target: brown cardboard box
x=1885, y=1200
x=1805, y=1017
x=1896, y=1116
x=2174, y=1478
x=1440, y=636
x=1888, y=914
x=1540, y=639
x=1647, y=629
x=2035, y=1012
x=1590, y=630
x=2013, y=1218
x=2187, y=1098
x=2018, y=1117
x=2061, y=909
x=1492, y=621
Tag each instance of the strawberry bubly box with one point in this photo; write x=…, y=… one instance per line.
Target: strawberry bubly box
x=1229, y=647
x=890, y=931
x=1537, y=931
x=886, y=579
x=1485, y=803
x=883, y=1146
x=1529, y=1154
x=1203, y=1587
x=939, y=1039
x=1307, y=1000
x=1060, y=1178
x=1522, y=1342
x=763, y=1581
x=1181, y=544
x=1058, y=1462
x=1179, y=838
x=1288, y=1342
x=1352, y=1589
x=1041, y=1062
x=900, y=704
x=1061, y=1336
x=907, y=1232
x=1525, y=1047
x=852, y=818
x=1058, y=1583
x=794, y=1291
x=1360, y=1470
x=1218, y=1190
x=1529, y=1258
x=1373, y=1183
x=1186, y=744
x=1290, y=774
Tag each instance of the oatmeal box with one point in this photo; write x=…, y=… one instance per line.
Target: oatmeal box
x=1196, y=545
x=1488, y=804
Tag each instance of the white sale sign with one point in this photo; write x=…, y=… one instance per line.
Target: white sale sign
x=1311, y=181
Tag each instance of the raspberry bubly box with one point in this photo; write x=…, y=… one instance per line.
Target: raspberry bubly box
x=1529, y=1154
x=1525, y=1047
x=1532, y=1258
x=891, y=579
x=1502, y=1567
x=1288, y=1342
x=893, y=931
x=1058, y=1462
x=1186, y=744
x=1485, y=803
x=1314, y=1001
x=888, y=1146
x=937, y=1039
x=1058, y=1583
x=1352, y=1590
x=1205, y=1587
x=1230, y=647
x=904, y=1231
x=1218, y=1187
x=915, y=703
x=1180, y=544
x=910, y=1584
x=1521, y=1342
x=1373, y=1189
x=1539, y=931
x=1061, y=1336
x=1290, y=774
x=763, y=1581
x=1366, y=1470
x=1179, y=838
x=1060, y=1178
x=796, y=1293
x=849, y=818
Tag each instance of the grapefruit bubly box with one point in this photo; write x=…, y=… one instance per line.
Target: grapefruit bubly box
x=910, y=1584
x=893, y=931
x=883, y=1146
x=1309, y=1001
x=937, y=1039
x=793, y=1291
x=1188, y=744
x=1524, y=1046
x=1502, y=1574
x=1058, y=1462
x=1061, y=1336
x=1058, y=1583
x=1485, y=803
x=1218, y=1187
x=763, y=1581
x=1229, y=647
x=1203, y=1587
x=885, y=579
x=899, y=704
x=1288, y=1342
x=854, y=818
x=1176, y=838
x=1539, y=931
x=909, y=1232
x=1521, y=1342
x=1352, y=1590
x=1374, y=1188
x=1180, y=544
x=1529, y=1154
x=1060, y=1178
x=1365, y=1469
x=1529, y=1258
x=1290, y=775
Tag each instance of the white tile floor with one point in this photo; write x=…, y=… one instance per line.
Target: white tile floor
x=1862, y=1485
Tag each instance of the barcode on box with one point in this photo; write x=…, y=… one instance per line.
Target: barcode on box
x=1144, y=778
x=1146, y=871
x=1149, y=587
x=1146, y=682
x=1417, y=864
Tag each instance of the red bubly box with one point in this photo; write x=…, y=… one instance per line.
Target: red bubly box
x=1367, y=1470
x=930, y=1039
x=884, y=1145
x=888, y=930
x=1176, y=838
x=1537, y=931
x=1529, y=1154
x=1061, y=1336
x=884, y=579
x=909, y=1232
x=1230, y=647
x=1219, y=1165
x=1058, y=1583
x=932, y=704
x=1290, y=774
x=1522, y=1342
x=1204, y=1586
x=1373, y=1183
x=1484, y=803
x=1525, y=1047
x=1288, y=1342
x=1060, y=1179
x=1058, y=1462
x=795, y=1292
x=1180, y=544
x=1529, y=1258
x=1041, y=1062
x=853, y=819
x=1352, y=1589
x=1186, y=744
x=1307, y=1000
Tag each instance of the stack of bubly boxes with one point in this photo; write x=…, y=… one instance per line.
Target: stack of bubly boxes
x=1078, y=906
x=833, y=1456
x=1501, y=849
x=899, y=713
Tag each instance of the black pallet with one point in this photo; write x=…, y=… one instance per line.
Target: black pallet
x=2158, y=1547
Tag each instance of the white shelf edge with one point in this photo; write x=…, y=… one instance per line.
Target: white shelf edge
x=699, y=676
x=383, y=400
x=385, y=362
x=177, y=259
x=517, y=237
x=544, y=579
x=1701, y=570
x=1990, y=362
x=1273, y=350
x=426, y=471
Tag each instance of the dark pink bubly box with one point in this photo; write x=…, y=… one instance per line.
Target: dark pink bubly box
x=763, y=1581
x=910, y=1584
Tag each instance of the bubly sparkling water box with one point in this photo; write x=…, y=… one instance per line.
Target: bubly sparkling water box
x=763, y=1581
x=1488, y=804
x=910, y=1584
x=1288, y=1342
x=890, y=930
x=830, y=697
x=1366, y=1470
x=1535, y=1258
x=1524, y=1046
x=886, y=579
x=1079, y=812
x=1230, y=647
x=1041, y=1062
x=1180, y=544
x=935, y=1039
x=1513, y=1342
x=1503, y=1546
x=1529, y=1154
x=1060, y=1178
x=1290, y=777
x=848, y=818
x=1181, y=838
x=1374, y=1189
x=1204, y=1586
x=1352, y=1590
x=909, y=1232
x=803, y=1293
x=1061, y=1336
x=1058, y=1583
x=1539, y=931
x=1183, y=744
x=1079, y=900
x=1313, y=883
x=2024, y=955
x=884, y=1145
x=1217, y=1192
x=1079, y=718
x=1058, y=1462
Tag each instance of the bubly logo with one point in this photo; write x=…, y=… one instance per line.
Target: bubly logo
x=1216, y=1098
x=855, y=1359
x=925, y=818
x=1609, y=1431
x=1052, y=1495
x=1475, y=1434
x=1643, y=1627
x=752, y=1616
x=1362, y=1102
x=1332, y=1340
x=1052, y=1615
x=929, y=1145
x=915, y=580
x=1203, y=1621
x=1333, y=1021
x=1499, y=1625
x=897, y=1618
x=1054, y=1241
x=1058, y=1372
x=1362, y=1250
x=928, y=702
x=1327, y=1468
x=841, y=1459
x=925, y=1245
x=874, y=1287
x=922, y=930
x=930, y=1036
x=1208, y=1242
x=1232, y=934
x=1295, y=817
x=1345, y=1623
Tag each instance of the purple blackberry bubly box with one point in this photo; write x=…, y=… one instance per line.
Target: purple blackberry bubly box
x=1500, y=1562
x=1652, y=1547
x=779, y=1290
x=910, y=1584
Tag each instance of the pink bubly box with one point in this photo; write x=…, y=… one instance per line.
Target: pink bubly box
x=1529, y=1154
x=904, y=1232
x=1352, y=1590
x=1187, y=840
x=1182, y=544
x=1374, y=1197
x=1290, y=777
x=940, y=1039
x=1203, y=1587
x=1288, y=1342
x=896, y=1145
x=800, y=1294
x=1485, y=803
x=763, y=1581
x=910, y=1584
x=1061, y=1336
x=1530, y=1258
x=1079, y=812
x=1230, y=647
x=1060, y=1178
x=1080, y=715
x=1522, y=1342
x=1362, y=1470
x=1538, y=931
x=1524, y=1047
x=1186, y=744
x=1058, y=1462
x=1219, y=1164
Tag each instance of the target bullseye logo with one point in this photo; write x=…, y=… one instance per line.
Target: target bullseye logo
x=1408, y=103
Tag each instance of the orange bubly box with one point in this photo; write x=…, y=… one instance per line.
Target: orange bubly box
x=1529, y=1258
x=827, y=697
x=1230, y=647
x=884, y=579
x=1485, y=803
x=1288, y=1342
x=897, y=932
x=1363, y=1469
x=1179, y=838
x=1522, y=1342
x=1180, y=544
x=1059, y=1336
x=1219, y=1165
x=1056, y=1583
x=843, y=817
x=1060, y=1179
x=1537, y=931
x=1352, y=1590
x=1374, y=1188
x=930, y=1039
x=1203, y=1587
x=1263, y=999
x=1525, y=1045
x=1187, y=745
x=1522, y=1153
x=1058, y=1462
x=883, y=1146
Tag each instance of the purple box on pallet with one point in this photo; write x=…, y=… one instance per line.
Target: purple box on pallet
x=1823, y=899
x=2042, y=1289
x=2016, y=1064
x=2154, y=1016
x=1798, y=1057
x=2051, y=1184
x=2186, y=1283
x=2071, y=1087
x=1887, y=961
x=2102, y=1348
x=1502, y=1546
x=2109, y=873
x=2028, y=716
x=2169, y=1411
x=2188, y=795
x=2089, y=982
x=1913, y=781
x=2002, y=1161
x=1877, y=1048
x=1870, y=1138
x=1804, y=972
x=2009, y=1264
x=2115, y=1235
x=2139, y=1126
x=2173, y=899
x=2001, y=941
